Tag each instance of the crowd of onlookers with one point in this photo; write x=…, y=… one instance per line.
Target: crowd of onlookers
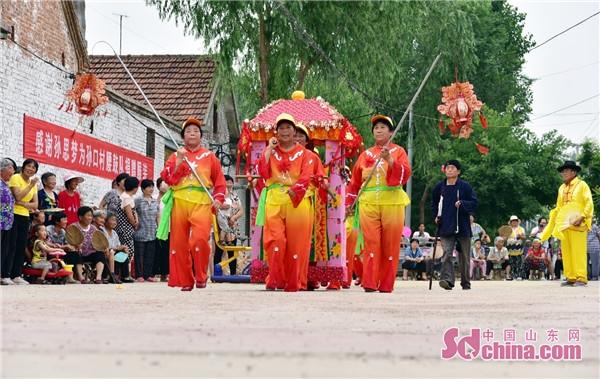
x=518, y=255
x=35, y=220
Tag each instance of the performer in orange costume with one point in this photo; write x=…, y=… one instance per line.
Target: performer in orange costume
x=283, y=208
x=380, y=207
x=317, y=194
x=190, y=207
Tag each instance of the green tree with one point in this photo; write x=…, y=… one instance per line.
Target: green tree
x=518, y=176
x=589, y=159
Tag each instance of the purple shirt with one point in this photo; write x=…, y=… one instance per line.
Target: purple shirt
x=7, y=205
x=86, y=246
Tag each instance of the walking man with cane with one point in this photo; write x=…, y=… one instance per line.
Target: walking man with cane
x=453, y=200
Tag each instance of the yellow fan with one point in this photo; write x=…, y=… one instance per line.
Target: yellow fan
x=505, y=231
x=74, y=236
x=99, y=241
x=566, y=215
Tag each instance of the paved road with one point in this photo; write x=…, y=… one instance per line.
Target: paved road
x=235, y=330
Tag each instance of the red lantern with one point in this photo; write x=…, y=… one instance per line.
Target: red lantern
x=87, y=93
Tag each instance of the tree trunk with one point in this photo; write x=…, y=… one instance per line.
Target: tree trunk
x=422, y=204
x=263, y=57
x=304, y=68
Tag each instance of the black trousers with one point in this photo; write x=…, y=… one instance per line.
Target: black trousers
x=143, y=254
x=219, y=257
x=558, y=268
x=463, y=248
x=7, y=248
x=490, y=265
x=413, y=266
x=19, y=233
x=161, y=258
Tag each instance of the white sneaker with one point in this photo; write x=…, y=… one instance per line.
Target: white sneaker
x=20, y=281
x=6, y=282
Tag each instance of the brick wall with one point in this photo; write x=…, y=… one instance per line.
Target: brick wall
x=30, y=86
x=41, y=27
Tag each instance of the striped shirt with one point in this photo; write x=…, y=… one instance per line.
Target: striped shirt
x=147, y=210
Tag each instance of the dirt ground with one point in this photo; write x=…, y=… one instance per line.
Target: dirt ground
x=240, y=330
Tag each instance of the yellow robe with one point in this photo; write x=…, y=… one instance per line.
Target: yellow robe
x=573, y=239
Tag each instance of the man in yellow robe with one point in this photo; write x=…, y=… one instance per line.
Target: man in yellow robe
x=575, y=193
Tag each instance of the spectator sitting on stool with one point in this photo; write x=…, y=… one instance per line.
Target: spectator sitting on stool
x=413, y=260
x=498, y=256
x=478, y=259
x=535, y=259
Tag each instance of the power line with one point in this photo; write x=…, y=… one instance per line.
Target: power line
x=70, y=74
x=564, y=71
x=563, y=32
x=567, y=107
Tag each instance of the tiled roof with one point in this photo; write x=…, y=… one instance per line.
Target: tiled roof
x=178, y=86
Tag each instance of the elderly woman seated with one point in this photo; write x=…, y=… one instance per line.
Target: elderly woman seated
x=497, y=258
x=536, y=259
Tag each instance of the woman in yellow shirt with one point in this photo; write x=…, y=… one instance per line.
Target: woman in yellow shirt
x=24, y=189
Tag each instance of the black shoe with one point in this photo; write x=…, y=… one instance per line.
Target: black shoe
x=128, y=280
x=466, y=287
x=445, y=285
x=567, y=284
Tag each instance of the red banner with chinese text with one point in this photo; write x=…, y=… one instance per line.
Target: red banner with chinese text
x=58, y=146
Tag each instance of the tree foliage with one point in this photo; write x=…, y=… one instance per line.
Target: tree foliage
x=371, y=57
x=589, y=159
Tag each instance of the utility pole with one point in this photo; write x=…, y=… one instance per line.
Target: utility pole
x=407, y=217
x=120, y=29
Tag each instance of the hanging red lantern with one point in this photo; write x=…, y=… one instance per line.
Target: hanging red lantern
x=87, y=93
x=459, y=102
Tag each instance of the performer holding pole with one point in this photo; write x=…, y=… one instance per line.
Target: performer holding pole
x=570, y=221
x=452, y=202
x=379, y=211
x=188, y=206
x=283, y=209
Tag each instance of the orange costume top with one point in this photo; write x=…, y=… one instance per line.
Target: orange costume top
x=183, y=182
x=288, y=170
x=379, y=190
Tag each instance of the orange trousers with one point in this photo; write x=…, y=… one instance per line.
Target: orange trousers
x=353, y=263
x=382, y=231
x=190, y=250
x=286, y=243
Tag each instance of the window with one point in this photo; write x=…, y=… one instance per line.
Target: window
x=168, y=152
x=150, y=141
x=215, y=119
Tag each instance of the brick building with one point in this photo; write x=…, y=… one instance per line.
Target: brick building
x=43, y=47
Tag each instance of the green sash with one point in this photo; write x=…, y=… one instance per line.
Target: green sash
x=262, y=203
x=162, y=233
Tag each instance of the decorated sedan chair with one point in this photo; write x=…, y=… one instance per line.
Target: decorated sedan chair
x=335, y=139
